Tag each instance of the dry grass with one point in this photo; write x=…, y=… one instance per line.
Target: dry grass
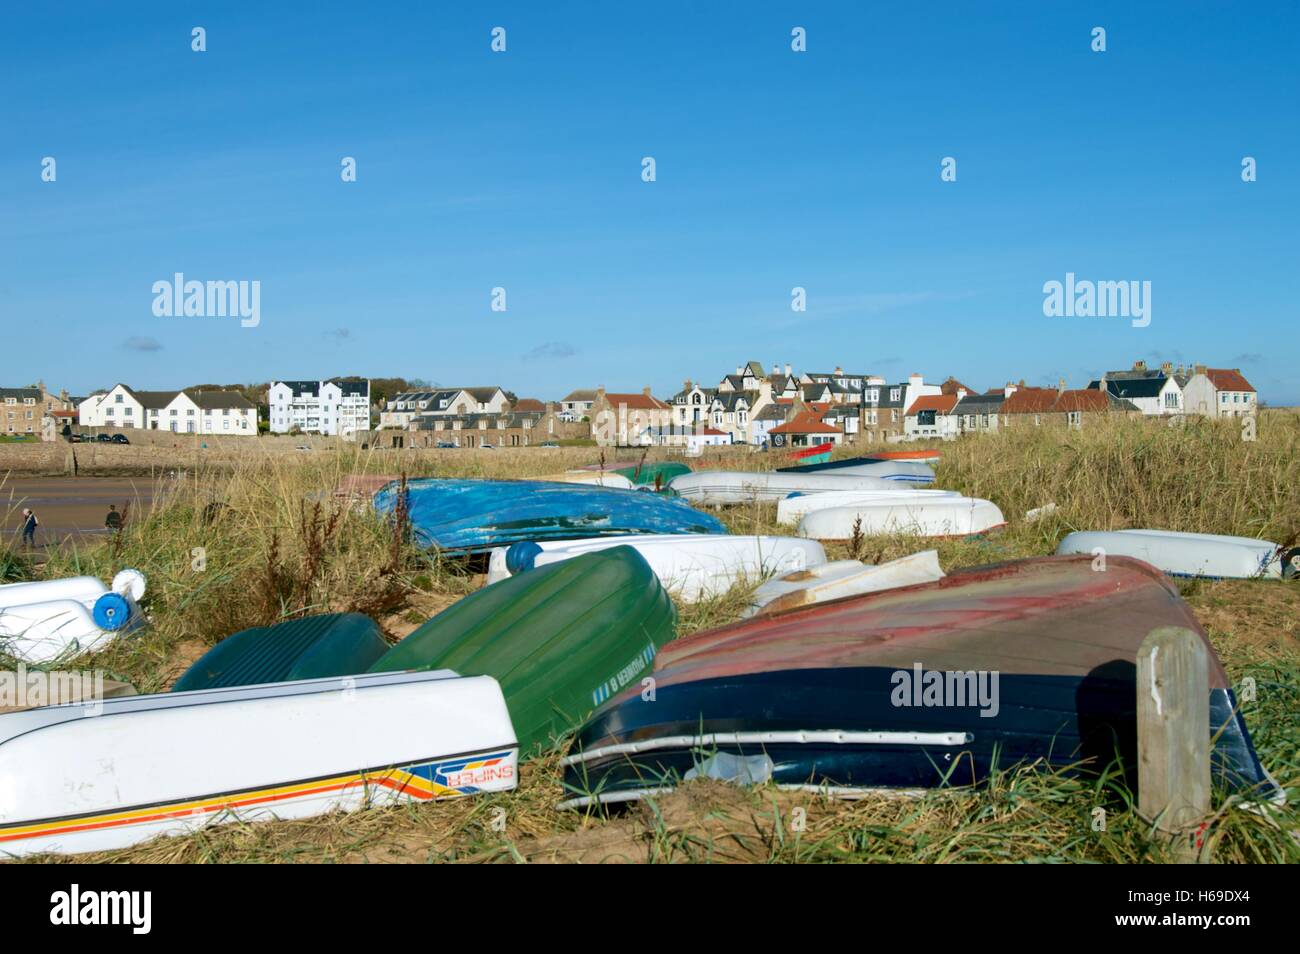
x=1201, y=477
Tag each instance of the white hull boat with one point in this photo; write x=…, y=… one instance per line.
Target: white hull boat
x=794, y=508
x=842, y=578
x=76, y=779
x=594, y=478
x=1190, y=554
x=738, y=487
x=691, y=566
x=902, y=471
x=54, y=620
x=946, y=517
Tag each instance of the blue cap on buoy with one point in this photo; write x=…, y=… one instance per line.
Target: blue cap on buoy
x=522, y=556
x=111, y=612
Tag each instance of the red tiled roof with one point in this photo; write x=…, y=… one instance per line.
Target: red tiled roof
x=529, y=404
x=1227, y=379
x=1085, y=399
x=1030, y=401
x=636, y=402
x=711, y=432
x=805, y=423
x=952, y=384
x=943, y=403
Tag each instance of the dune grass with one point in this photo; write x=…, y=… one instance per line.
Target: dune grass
x=277, y=545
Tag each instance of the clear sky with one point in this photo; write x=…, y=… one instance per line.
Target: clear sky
x=522, y=170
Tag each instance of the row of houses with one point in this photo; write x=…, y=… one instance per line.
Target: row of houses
x=779, y=408
x=187, y=411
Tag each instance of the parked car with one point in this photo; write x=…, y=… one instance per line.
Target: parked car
x=118, y=439
x=104, y=438
x=549, y=444
x=74, y=438
x=445, y=445
x=487, y=447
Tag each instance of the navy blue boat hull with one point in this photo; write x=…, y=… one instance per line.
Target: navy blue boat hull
x=1061, y=722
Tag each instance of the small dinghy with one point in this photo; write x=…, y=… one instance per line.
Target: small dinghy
x=55, y=620
x=794, y=508
x=938, y=684
x=841, y=579
x=940, y=517
x=647, y=474
x=315, y=647
x=171, y=763
x=690, y=566
x=561, y=639
x=469, y=516
x=715, y=487
x=592, y=478
x=1191, y=554
x=901, y=471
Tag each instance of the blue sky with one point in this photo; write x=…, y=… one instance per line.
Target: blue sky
x=522, y=169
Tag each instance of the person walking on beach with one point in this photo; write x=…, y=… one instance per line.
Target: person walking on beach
x=30, y=523
x=113, y=520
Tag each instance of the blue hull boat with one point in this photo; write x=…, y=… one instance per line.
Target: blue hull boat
x=470, y=516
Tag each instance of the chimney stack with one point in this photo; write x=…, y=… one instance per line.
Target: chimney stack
x=1060, y=385
x=1167, y=368
x=787, y=370
x=646, y=391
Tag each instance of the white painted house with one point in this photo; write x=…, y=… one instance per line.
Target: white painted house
x=1219, y=392
x=184, y=412
x=338, y=408
x=226, y=413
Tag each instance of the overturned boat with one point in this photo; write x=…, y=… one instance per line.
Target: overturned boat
x=467, y=516
x=314, y=647
x=54, y=620
x=794, y=508
x=715, y=487
x=561, y=639
x=1208, y=555
x=936, y=517
x=690, y=566
x=841, y=579
x=901, y=470
x=171, y=763
x=938, y=684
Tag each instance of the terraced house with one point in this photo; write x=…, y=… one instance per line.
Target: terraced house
x=403, y=409
x=620, y=419
x=21, y=409
x=191, y=411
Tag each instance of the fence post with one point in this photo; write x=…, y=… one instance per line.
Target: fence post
x=1173, y=736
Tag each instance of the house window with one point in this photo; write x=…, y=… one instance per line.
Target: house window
x=893, y=394
x=117, y=399
x=1075, y=418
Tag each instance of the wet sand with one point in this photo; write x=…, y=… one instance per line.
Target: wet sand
x=69, y=506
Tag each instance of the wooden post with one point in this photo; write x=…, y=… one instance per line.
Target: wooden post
x=1173, y=736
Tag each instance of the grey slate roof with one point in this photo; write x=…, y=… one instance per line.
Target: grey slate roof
x=980, y=404
x=1135, y=387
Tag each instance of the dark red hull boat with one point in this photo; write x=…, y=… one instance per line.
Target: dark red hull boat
x=940, y=683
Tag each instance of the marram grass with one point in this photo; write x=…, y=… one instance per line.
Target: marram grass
x=279, y=545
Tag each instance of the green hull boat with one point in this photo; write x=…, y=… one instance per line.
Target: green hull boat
x=655, y=474
x=560, y=639
x=315, y=647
